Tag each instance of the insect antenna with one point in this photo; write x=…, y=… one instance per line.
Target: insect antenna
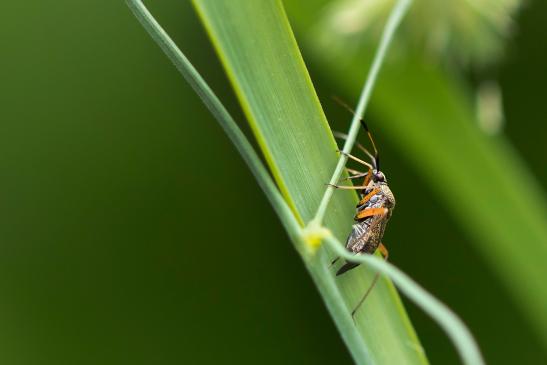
x=376, y=158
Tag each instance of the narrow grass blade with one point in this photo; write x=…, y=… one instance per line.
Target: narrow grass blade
x=260, y=55
x=449, y=321
x=394, y=20
x=219, y=112
x=479, y=178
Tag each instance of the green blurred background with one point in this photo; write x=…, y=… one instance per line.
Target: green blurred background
x=115, y=180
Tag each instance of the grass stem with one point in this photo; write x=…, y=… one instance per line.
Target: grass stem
x=395, y=18
x=215, y=106
x=453, y=326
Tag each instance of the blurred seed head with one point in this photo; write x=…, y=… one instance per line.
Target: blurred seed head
x=464, y=31
x=489, y=107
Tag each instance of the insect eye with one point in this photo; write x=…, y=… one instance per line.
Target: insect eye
x=379, y=177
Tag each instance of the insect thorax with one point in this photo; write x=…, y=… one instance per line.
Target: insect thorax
x=390, y=198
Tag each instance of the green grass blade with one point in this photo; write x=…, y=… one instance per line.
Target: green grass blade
x=257, y=48
x=454, y=327
x=478, y=177
x=392, y=23
x=448, y=320
x=218, y=110
x=495, y=198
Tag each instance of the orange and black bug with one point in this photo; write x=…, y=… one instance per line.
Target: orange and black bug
x=373, y=210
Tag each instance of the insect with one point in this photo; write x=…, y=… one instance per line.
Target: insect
x=373, y=210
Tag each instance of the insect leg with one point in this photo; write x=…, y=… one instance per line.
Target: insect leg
x=364, y=186
x=347, y=187
x=359, y=145
x=359, y=174
x=356, y=159
x=356, y=172
x=383, y=250
x=355, y=177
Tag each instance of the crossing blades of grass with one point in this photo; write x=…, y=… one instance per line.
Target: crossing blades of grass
x=262, y=60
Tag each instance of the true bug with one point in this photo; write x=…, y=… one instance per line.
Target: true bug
x=373, y=210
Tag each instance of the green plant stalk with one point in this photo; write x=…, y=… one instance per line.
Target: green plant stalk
x=496, y=200
x=452, y=325
x=215, y=106
x=325, y=284
x=258, y=50
x=393, y=22
x=460, y=335
x=480, y=179
x=427, y=113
